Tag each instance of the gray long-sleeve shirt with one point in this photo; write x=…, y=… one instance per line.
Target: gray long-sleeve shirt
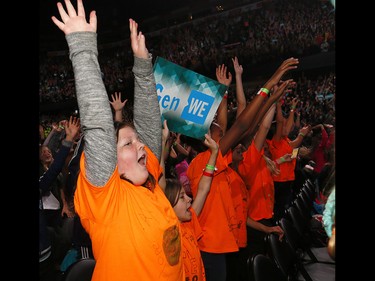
x=95, y=109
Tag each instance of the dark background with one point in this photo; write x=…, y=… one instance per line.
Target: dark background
x=112, y=15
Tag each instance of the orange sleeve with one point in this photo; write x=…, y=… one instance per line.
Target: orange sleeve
x=260, y=185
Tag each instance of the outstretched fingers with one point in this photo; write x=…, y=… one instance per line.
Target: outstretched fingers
x=64, y=16
x=71, y=11
x=289, y=67
x=58, y=23
x=282, y=87
x=289, y=64
x=283, y=68
x=81, y=9
x=71, y=22
x=93, y=21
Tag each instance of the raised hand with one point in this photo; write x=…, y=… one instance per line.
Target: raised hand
x=281, y=90
x=221, y=75
x=237, y=67
x=73, y=21
x=72, y=128
x=287, y=64
x=294, y=103
x=116, y=102
x=305, y=130
x=165, y=132
x=210, y=143
x=55, y=126
x=138, y=41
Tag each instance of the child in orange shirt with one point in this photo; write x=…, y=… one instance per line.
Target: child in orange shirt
x=280, y=145
x=187, y=212
x=134, y=231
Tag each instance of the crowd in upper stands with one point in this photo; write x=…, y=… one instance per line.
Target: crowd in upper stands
x=285, y=29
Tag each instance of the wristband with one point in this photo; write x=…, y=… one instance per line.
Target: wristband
x=301, y=134
x=265, y=90
x=262, y=93
x=225, y=95
x=282, y=159
x=210, y=167
x=211, y=175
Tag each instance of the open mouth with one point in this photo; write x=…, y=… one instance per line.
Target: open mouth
x=142, y=160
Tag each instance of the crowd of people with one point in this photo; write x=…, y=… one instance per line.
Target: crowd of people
x=289, y=28
x=114, y=179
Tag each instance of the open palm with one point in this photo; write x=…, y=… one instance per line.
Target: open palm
x=73, y=21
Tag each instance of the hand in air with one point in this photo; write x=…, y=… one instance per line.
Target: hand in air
x=73, y=21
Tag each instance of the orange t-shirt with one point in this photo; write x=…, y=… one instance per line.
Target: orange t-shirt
x=239, y=197
x=218, y=218
x=255, y=173
x=135, y=233
x=279, y=149
x=191, y=232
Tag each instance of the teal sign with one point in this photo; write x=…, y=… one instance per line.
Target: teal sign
x=187, y=100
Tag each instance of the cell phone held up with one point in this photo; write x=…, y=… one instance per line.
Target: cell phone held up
x=295, y=153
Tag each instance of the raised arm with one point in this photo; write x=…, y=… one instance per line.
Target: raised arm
x=71, y=131
x=53, y=139
x=298, y=119
x=164, y=153
x=302, y=133
x=205, y=181
x=147, y=118
x=240, y=94
x=51, y=134
x=290, y=120
x=95, y=110
x=280, y=120
x=222, y=112
x=264, y=127
x=117, y=106
x=281, y=90
x=247, y=117
x=178, y=147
